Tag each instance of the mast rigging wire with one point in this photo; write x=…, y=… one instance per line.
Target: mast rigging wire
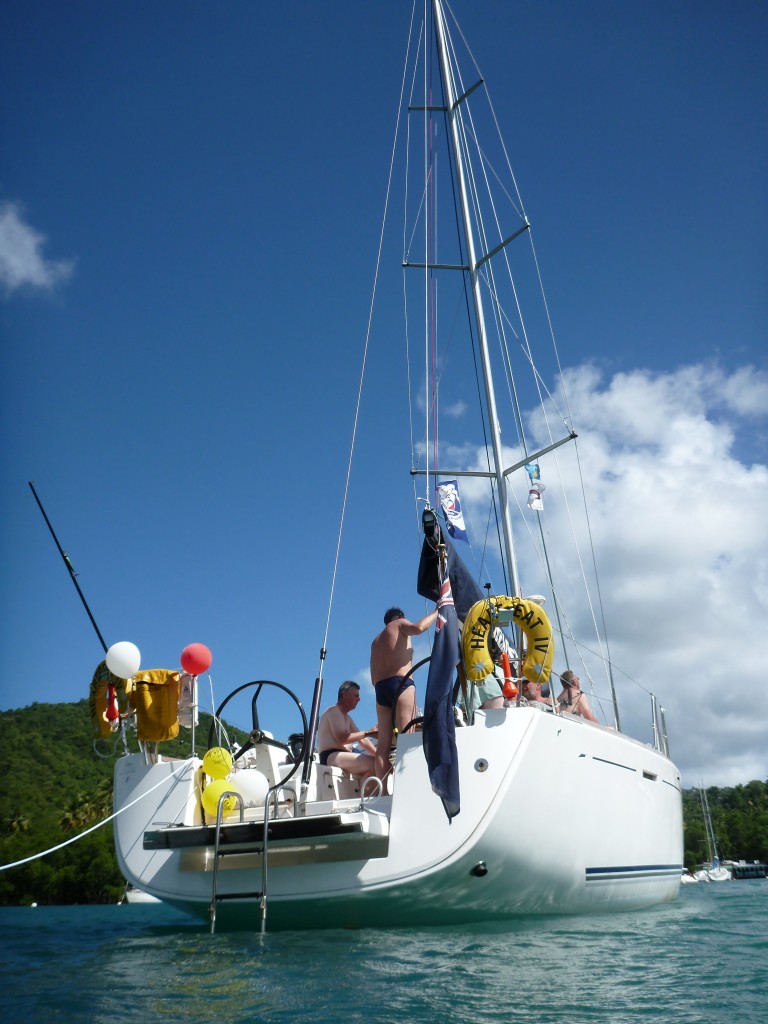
x=364, y=359
x=427, y=206
x=525, y=341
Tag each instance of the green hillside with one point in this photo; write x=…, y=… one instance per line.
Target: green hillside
x=54, y=787
x=739, y=821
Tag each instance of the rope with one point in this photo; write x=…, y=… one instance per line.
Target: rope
x=93, y=828
x=365, y=357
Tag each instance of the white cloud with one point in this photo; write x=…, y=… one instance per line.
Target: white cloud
x=679, y=530
x=746, y=391
x=455, y=410
x=22, y=264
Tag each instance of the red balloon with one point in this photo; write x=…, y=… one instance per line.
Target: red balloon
x=196, y=658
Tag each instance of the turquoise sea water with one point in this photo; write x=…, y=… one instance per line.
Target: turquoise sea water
x=701, y=959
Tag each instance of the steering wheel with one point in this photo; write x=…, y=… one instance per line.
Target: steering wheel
x=257, y=734
x=419, y=718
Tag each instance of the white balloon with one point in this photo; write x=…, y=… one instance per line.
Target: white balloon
x=252, y=785
x=123, y=659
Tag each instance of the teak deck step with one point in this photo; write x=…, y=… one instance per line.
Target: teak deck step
x=251, y=833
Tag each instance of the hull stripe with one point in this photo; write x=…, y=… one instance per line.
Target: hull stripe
x=626, y=872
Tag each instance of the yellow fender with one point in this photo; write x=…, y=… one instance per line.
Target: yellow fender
x=482, y=619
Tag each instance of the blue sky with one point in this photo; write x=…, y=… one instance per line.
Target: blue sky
x=190, y=201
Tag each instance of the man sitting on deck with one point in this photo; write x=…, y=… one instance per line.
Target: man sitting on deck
x=336, y=733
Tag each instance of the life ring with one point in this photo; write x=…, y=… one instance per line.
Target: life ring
x=107, y=699
x=482, y=619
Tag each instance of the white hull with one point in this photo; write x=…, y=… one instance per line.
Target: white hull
x=557, y=816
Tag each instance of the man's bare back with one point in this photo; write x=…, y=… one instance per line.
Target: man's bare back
x=392, y=659
x=391, y=651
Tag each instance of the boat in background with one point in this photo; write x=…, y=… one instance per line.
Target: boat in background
x=525, y=808
x=718, y=872
x=134, y=895
x=688, y=877
x=713, y=870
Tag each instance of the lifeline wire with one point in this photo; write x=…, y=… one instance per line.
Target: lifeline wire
x=93, y=828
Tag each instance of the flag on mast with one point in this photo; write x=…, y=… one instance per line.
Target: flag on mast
x=450, y=502
x=439, y=736
x=537, y=487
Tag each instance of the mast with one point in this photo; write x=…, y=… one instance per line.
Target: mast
x=714, y=856
x=453, y=112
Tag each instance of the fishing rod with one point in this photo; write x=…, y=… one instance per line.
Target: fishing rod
x=70, y=567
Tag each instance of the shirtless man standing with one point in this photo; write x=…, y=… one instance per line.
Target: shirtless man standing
x=336, y=732
x=391, y=661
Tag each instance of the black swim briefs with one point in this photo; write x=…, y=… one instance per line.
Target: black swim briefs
x=388, y=690
x=325, y=754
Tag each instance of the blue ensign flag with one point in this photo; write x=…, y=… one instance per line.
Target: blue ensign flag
x=439, y=733
x=428, y=582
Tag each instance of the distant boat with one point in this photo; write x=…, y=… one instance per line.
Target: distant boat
x=713, y=870
x=134, y=895
x=688, y=877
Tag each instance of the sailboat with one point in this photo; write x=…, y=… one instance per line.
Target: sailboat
x=519, y=807
x=713, y=870
x=134, y=895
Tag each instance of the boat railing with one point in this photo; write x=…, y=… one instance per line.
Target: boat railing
x=658, y=722
x=660, y=740
x=290, y=799
x=378, y=788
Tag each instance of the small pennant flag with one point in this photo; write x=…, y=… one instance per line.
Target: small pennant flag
x=534, y=494
x=534, y=497
x=450, y=502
